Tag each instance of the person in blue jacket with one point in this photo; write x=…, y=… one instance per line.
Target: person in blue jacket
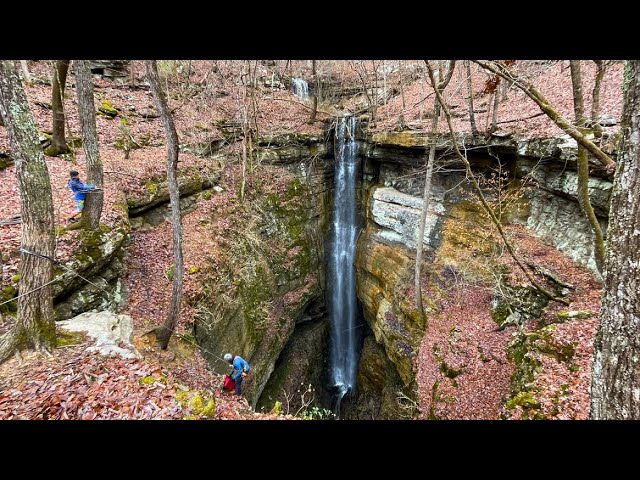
x=79, y=190
x=239, y=370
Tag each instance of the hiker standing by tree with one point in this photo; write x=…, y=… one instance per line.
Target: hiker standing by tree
x=241, y=368
x=79, y=190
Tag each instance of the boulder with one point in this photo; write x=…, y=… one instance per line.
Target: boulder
x=113, y=333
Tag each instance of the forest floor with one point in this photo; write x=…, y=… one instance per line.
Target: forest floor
x=75, y=384
x=477, y=378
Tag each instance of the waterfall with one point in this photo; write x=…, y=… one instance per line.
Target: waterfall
x=300, y=88
x=341, y=275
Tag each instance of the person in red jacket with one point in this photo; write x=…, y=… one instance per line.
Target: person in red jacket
x=239, y=370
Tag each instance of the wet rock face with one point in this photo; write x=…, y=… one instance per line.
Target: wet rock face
x=384, y=275
x=379, y=387
x=298, y=369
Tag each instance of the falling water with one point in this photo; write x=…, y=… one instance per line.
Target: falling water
x=341, y=276
x=300, y=88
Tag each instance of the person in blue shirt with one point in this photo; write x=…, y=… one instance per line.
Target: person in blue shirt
x=240, y=367
x=79, y=190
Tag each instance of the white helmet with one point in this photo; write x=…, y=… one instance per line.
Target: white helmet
x=227, y=357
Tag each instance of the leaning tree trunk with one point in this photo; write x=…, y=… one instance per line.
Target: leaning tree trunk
x=87, y=111
x=58, y=140
x=34, y=327
x=583, y=166
x=164, y=333
x=615, y=376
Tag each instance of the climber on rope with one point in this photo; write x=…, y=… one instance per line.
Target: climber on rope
x=239, y=370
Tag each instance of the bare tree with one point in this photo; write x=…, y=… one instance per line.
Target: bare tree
x=34, y=327
x=616, y=364
x=472, y=117
x=427, y=181
x=316, y=90
x=494, y=113
x=87, y=111
x=163, y=333
x=583, y=165
x=595, y=104
x=58, y=139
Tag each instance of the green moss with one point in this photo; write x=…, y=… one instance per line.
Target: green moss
x=202, y=407
x=66, y=337
x=149, y=380
x=193, y=270
x=90, y=243
x=207, y=195
x=202, y=126
x=169, y=273
x=7, y=294
x=525, y=400
x=16, y=278
x=152, y=187
x=107, y=109
x=60, y=230
x=277, y=408
x=181, y=397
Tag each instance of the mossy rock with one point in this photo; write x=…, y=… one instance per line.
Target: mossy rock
x=525, y=400
x=107, y=109
x=66, y=338
x=6, y=294
x=198, y=404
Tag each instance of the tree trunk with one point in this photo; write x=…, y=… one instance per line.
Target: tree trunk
x=595, y=104
x=312, y=119
x=164, y=333
x=34, y=327
x=494, y=114
x=87, y=111
x=26, y=76
x=616, y=364
x=58, y=140
x=532, y=92
x=472, y=117
x=583, y=166
x=427, y=188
